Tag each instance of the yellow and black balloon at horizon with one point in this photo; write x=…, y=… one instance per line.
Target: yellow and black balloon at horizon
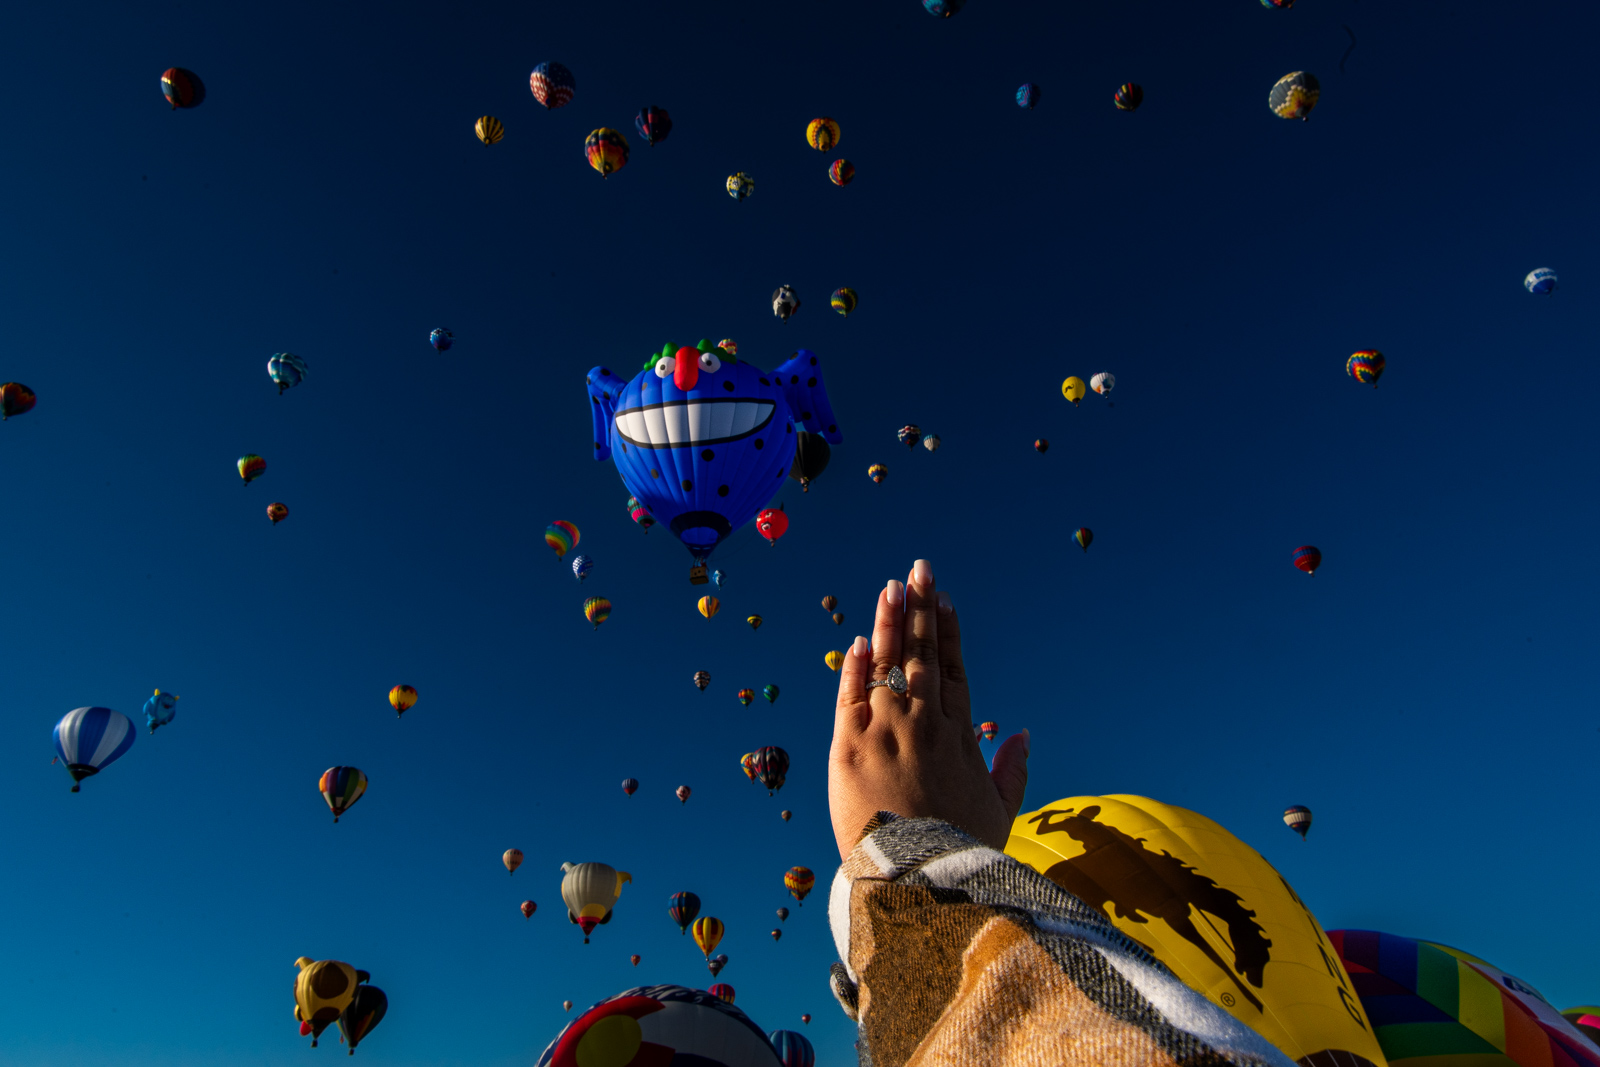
x=322, y=991
x=1212, y=909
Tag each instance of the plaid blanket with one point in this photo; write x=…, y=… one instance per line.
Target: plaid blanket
x=956, y=955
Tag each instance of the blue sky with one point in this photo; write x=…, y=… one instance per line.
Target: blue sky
x=1425, y=693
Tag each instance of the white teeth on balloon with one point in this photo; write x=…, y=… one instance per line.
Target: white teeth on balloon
x=682, y=423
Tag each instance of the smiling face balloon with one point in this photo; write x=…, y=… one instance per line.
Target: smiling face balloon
x=704, y=440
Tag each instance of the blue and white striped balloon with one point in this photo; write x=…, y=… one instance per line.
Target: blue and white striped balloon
x=581, y=566
x=1541, y=281
x=88, y=739
x=287, y=370
x=793, y=1049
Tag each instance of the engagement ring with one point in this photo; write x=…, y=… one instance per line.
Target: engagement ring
x=896, y=682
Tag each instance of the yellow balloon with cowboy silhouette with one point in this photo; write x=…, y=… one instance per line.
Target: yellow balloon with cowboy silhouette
x=1209, y=907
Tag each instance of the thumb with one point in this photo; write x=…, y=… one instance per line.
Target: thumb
x=1010, y=773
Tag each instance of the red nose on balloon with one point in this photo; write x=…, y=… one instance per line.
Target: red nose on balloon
x=688, y=369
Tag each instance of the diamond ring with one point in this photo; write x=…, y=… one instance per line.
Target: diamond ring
x=896, y=682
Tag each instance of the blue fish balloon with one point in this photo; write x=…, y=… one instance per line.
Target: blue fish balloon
x=160, y=709
x=704, y=440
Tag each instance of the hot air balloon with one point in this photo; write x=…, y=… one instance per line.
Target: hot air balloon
x=1585, y=1018
x=597, y=609
x=741, y=185
x=401, y=697
x=716, y=963
x=909, y=435
x=878, y=472
x=590, y=891
x=746, y=696
x=707, y=933
x=1073, y=389
x=528, y=908
x=1211, y=909
x=1027, y=95
x=512, y=859
x=1041, y=446
x=552, y=85
x=635, y=958
x=1298, y=819
x=754, y=621
x=1084, y=536
x=717, y=578
x=441, y=339
x=653, y=124
x=341, y=787
x=561, y=536
x=806, y=1018
x=748, y=763
x=842, y=172
x=182, y=88
x=709, y=606
x=630, y=786
x=606, y=150
x=277, y=512
x=702, y=679
x=1432, y=1004
x=772, y=524
x=1365, y=367
x=1284, y=4
x=367, y=1009
x=844, y=301
x=834, y=660
x=683, y=907
x=783, y=914
x=719, y=475
x=160, y=709
x=931, y=442
x=822, y=134
x=794, y=1050
x=943, y=8
x=251, y=467
x=683, y=792
x=287, y=370
x=640, y=514
x=1294, y=95
x=489, y=129
x=811, y=455
x=322, y=991
x=16, y=399
x=1128, y=97
x=90, y=739
x=1307, y=558
x=785, y=814
x=799, y=880
x=566, y=1005
x=1103, y=383
x=785, y=302
x=830, y=602
x=772, y=767
x=990, y=730
x=723, y=992
x=777, y=935
x=1541, y=282
x=728, y=345
x=658, y=1026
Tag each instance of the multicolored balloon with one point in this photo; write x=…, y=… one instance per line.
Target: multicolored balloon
x=709, y=606
x=489, y=129
x=635, y=958
x=754, y=621
x=842, y=172
x=799, y=881
x=748, y=763
x=723, y=992
x=771, y=766
x=1103, y=383
x=341, y=787
x=590, y=891
x=1365, y=367
x=683, y=907
x=943, y=8
x=728, y=345
x=160, y=709
x=654, y=1026
x=528, y=908
x=630, y=786
x=606, y=150
x=909, y=435
x=441, y=339
x=251, y=467
x=702, y=679
x=716, y=963
x=1541, y=282
x=741, y=185
x=90, y=739
x=1294, y=95
x=1128, y=97
x=640, y=514
x=990, y=730
x=597, y=609
x=401, y=697
x=1084, y=536
x=182, y=88
x=1298, y=819
x=16, y=399
x=552, y=85
x=1307, y=558
x=777, y=935
x=653, y=124
x=322, y=991
x=683, y=792
x=512, y=859
x=822, y=134
x=287, y=370
x=793, y=1049
x=707, y=933
x=1041, y=446
x=561, y=536
x=746, y=696
x=367, y=1009
x=1028, y=96
x=785, y=814
x=771, y=693
x=785, y=302
x=1585, y=1018
x=277, y=512
x=581, y=566
x=878, y=472
x=844, y=301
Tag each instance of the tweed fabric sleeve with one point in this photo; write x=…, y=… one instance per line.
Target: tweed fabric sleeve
x=955, y=955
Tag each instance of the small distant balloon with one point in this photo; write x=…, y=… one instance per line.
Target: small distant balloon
x=785, y=814
x=341, y=787
x=607, y=151
x=822, y=134
x=1307, y=558
x=401, y=697
x=566, y=1005
x=830, y=602
x=729, y=345
x=277, y=512
x=844, y=301
x=709, y=606
x=931, y=442
x=792, y=1049
x=777, y=935
x=806, y=1018
x=723, y=992
x=160, y=709
x=834, y=660
x=1294, y=96
x=1028, y=96
x=754, y=621
x=799, y=881
x=771, y=693
x=909, y=435
x=597, y=609
x=683, y=792
x=286, y=370
x=561, y=536
x=783, y=914
x=785, y=302
x=772, y=524
x=512, y=859
x=1128, y=97
x=702, y=679
x=943, y=8
x=1084, y=536
x=441, y=339
x=640, y=514
x=552, y=85
x=741, y=185
x=1365, y=367
x=634, y=959
x=581, y=566
x=717, y=578
x=838, y=618
x=1103, y=383
x=1073, y=389
x=990, y=730
x=1041, y=446
x=878, y=472
x=746, y=696
x=653, y=124
x=489, y=129
x=90, y=739
x=251, y=467
x=683, y=907
x=1298, y=819
x=842, y=172
x=630, y=786
x=1541, y=281
x=716, y=963
x=707, y=933
x=528, y=908
x=182, y=88
x=16, y=399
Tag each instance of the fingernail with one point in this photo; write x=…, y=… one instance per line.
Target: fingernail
x=896, y=592
x=945, y=607
x=861, y=649
x=922, y=573
x=1027, y=744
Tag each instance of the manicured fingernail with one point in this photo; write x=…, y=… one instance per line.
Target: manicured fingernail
x=896, y=591
x=922, y=573
x=861, y=648
x=1027, y=744
x=945, y=607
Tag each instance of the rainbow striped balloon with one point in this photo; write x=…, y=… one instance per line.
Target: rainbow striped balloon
x=597, y=609
x=1365, y=367
x=561, y=536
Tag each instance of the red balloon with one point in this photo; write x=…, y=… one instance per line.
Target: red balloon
x=772, y=524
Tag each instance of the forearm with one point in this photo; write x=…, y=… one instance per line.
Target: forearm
x=955, y=954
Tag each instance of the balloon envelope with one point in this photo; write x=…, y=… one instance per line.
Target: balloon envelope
x=683, y=907
x=552, y=85
x=590, y=891
x=793, y=1049
x=160, y=709
x=655, y=1026
x=367, y=1009
x=91, y=739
